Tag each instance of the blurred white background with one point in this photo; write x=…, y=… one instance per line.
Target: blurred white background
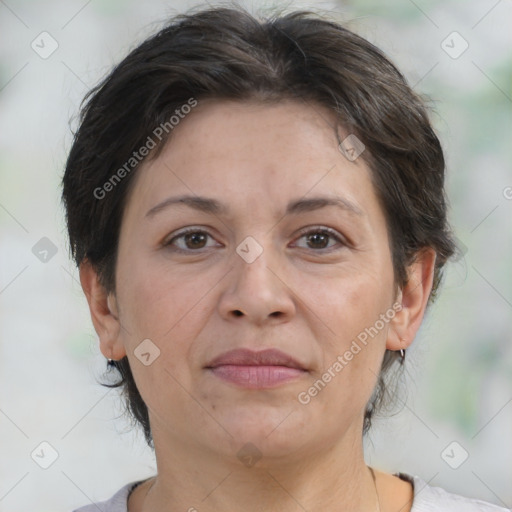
x=460, y=368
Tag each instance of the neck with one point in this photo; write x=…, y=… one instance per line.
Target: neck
x=332, y=478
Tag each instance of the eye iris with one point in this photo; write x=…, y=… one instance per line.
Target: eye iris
x=195, y=240
x=318, y=238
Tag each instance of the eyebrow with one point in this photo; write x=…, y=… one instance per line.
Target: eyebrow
x=212, y=206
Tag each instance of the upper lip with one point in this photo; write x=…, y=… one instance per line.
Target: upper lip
x=246, y=357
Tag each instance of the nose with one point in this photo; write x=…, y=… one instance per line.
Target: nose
x=257, y=291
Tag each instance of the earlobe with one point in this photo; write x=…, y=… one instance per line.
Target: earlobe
x=104, y=312
x=414, y=298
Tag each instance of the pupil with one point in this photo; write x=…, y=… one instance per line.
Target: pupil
x=318, y=238
x=195, y=239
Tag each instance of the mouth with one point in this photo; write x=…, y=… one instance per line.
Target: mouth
x=256, y=370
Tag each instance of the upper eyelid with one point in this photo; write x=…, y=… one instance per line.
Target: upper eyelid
x=331, y=231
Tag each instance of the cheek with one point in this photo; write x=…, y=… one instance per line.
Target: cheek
x=170, y=309
x=165, y=308
x=158, y=302
x=352, y=304
x=352, y=351
x=348, y=303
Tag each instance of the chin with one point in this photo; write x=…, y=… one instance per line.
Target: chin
x=275, y=431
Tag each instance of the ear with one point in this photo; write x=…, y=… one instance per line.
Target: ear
x=104, y=312
x=414, y=298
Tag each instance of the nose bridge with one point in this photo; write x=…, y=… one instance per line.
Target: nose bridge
x=252, y=264
x=254, y=289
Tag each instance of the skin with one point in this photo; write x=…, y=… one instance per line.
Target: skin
x=307, y=296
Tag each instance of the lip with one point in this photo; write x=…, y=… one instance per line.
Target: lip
x=256, y=370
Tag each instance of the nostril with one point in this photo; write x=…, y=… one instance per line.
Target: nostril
x=237, y=312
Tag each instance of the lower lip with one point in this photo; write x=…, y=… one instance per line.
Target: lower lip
x=256, y=377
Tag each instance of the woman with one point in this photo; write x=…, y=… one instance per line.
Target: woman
x=257, y=211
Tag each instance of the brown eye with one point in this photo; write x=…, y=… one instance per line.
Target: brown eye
x=195, y=240
x=319, y=239
x=191, y=240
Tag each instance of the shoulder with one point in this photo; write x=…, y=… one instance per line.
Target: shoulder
x=436, y=499
x=117, y=503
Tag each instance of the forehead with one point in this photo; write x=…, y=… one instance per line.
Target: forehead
x=247, y=152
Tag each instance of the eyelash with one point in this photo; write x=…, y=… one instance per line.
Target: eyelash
x=307, y=231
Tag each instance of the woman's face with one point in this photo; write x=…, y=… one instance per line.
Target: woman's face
x=288, y=250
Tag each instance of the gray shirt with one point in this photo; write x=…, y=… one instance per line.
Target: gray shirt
x=426, y=499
